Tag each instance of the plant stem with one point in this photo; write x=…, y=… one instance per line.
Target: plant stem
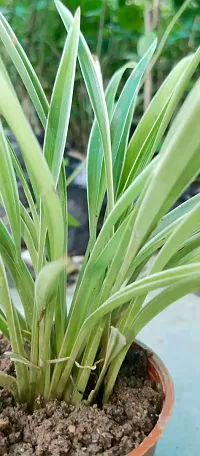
x=88, y=359
x=165, y=37
x=113, y=373
x=101, y=29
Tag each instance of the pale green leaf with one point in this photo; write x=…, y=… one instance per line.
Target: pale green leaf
x=8, y=190
x=14, y=330
x=164, y=229
x=163, y=300
x=142, y=286
x=46, y=281
x=4, y=324
x=186, y=248
x=25, y=69
x=177, y=161
x=156, y=118
x=20, y=359
x=9, y=383
x=97, y=98
x=60, y=106
x=121, y=121
x=18, y=271
x=24, y=185
x=36, y=166
x=145, y=42
x=28, y=239
x=116, y=343
x=95, y=150
x=186, y=227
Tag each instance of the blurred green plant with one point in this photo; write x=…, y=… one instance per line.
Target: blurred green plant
x=108, y=308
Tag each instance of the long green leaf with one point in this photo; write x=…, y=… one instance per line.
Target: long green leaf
x=116, y=343
x=142, y=286
x=123, y=108
x=192, y=257
x=149, y=283
x=95, y=150
x=97, y=98
x=20, y=359
x=46, y=296
x=177, y=161
x=61, y=311
x=36, y=166
x=4, y=325
x=25, y=186
x=175, y=214
x=18, y=271
x=26, y=234
x=168, y=95
x=14, y=331
x=88, y=359
x=163, y=300
x=60, y=106
x=45, y=282
x=120, y=126
x=9, y=383
x=85, y=287
x=30, y=224
x=153, y=308
x=122, y=148
x=24, y=68
x=164, y=230
x=186, y=227
x=8, y=190
x=186, y=248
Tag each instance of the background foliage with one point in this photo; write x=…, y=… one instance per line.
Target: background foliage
x=116, y=30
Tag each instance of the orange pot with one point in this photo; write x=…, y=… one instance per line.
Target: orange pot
x=158, y=372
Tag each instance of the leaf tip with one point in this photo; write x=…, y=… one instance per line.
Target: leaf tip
x=77, y=17
x=78, y=12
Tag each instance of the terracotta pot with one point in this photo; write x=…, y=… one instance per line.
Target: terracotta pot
x=158, y=372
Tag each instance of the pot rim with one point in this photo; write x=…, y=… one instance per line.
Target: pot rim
x=158, y=371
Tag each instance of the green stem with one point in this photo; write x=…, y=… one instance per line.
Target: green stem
x=113, y=373
x=34, y=355
x=87, y=360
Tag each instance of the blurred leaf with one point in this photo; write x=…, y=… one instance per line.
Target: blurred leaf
x=130, y=17
x=145, y=42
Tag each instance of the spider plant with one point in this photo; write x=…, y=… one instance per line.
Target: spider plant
x=109, y=306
